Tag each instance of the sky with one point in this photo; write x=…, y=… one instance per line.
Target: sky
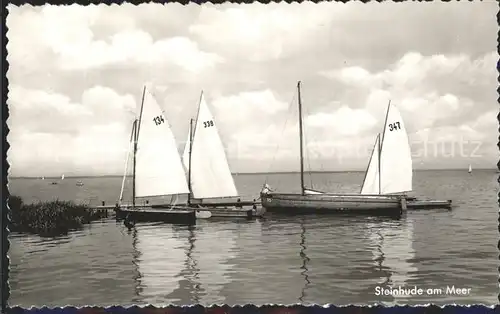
x=76, y=75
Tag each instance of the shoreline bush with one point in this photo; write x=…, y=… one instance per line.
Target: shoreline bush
x=50, y=218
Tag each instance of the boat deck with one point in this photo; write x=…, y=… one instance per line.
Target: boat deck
x=230, y=212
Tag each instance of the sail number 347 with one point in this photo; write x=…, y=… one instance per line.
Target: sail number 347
x=394, y=126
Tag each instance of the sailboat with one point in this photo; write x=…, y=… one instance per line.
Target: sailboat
x=62, y=177
x=209, y=175
x=390, y=168
x=315, y=202
x=470, y=168
x=157, y=169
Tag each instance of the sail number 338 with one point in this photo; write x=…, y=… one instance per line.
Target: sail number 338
x=158, y=120
x=394, y=126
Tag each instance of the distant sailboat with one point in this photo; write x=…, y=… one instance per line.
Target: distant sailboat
x=470, y=168
x=55, y=182
x=311, y=201
x=390, y=168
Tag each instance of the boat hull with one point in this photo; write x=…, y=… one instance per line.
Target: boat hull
x=183, y=216
x=333, y=204
x=165, y=212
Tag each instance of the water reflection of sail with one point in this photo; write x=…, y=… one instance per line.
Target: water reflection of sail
x=397, y=247
x=160, y=258
x=215, y=247
x=250, y=265
x=392, y=242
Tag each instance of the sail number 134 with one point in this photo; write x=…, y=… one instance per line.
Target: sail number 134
x=394, y=126
x=158, y=120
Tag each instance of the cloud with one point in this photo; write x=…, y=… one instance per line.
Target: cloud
x=430, y=89
x=344, y=121
x=260, y=32
x=137, y=46
x=82, y=69
x=49, y=127
x=65, y=32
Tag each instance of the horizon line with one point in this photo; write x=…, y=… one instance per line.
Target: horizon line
x=241, y=173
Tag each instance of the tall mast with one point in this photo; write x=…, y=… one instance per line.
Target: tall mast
x=375, y=146
x=189, y=162
x=136, y=137
x=380, y=149
x=127, y=161
x=301, y=142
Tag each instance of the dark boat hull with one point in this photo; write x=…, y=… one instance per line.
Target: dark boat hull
x=185, y=216
x=333, y=204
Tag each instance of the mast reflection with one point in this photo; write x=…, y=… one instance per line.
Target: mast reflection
x=305, y=260
x=137, y=276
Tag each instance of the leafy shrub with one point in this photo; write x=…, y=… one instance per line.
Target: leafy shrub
x=50, y=218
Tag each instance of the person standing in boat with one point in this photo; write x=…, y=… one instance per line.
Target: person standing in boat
x=266, y=189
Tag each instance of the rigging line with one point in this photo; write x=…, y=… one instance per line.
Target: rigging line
x=308, y=157
x=282, y=131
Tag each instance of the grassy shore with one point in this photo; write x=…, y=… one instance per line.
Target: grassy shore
x=51, y=218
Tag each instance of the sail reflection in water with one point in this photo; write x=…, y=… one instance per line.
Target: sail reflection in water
x=214, y=249
x=160, y=258
x=182, y=265
x=393, y=251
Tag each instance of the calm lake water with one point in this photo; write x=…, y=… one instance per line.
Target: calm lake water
x=281, y=260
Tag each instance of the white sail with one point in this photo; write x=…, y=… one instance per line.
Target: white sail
x=185, y=154
x=62, y=177
x=470, y=168
x=396, y=169
x=158, y=169
x=371, y=184
x=210, y=173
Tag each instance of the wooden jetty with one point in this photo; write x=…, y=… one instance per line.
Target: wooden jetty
x=429, y=204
